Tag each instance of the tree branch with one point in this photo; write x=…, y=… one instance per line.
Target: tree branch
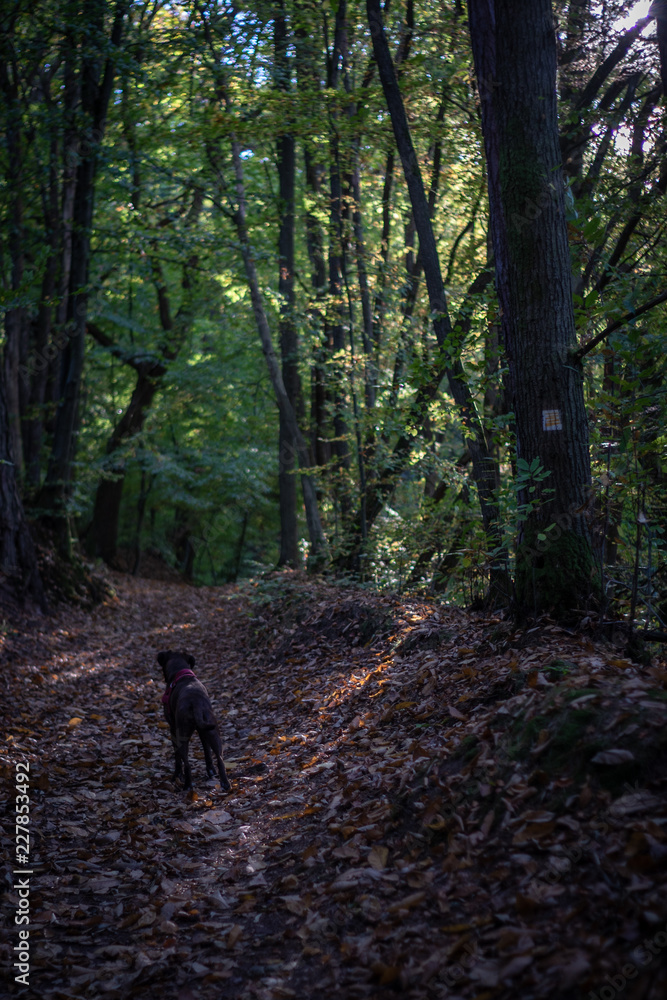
x=613, y=59
x=616, y=325
x=146, y=365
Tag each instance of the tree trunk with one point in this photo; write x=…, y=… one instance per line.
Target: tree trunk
x=515, y=62
x=15, y=318
x=146, y=484
x=308, y=85
x=335, y=330
x=381, y=281
x=95, y=93
x=319, y=553
x=35, y=375
x=658, y=10
x=289, y=539
x=18, y=561
x=102, y=535
x=320, y=446
x=484, y=470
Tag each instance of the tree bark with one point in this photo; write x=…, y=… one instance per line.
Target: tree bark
x=102, y=538
x=319, y=553
x=35, y=374
x=96, y=87
x=335, y=333
x=308, y=87
x=102, y=533
x=18, y=560
x=484, y=471
x=658, y=10
x=15, y=318
x=515, y=62
x=320, y=445
x=289, y=539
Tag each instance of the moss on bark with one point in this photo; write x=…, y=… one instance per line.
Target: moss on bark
x=554, y=573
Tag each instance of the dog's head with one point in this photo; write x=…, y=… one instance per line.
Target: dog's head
x=172, y=662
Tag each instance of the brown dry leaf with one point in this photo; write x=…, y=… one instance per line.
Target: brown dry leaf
x=454, y=712
x=408, y=902
x=378, y=857
x=234, y=935
x=615, y=756
x=514, y=967
x=533, y=831
x=146, y=918
x=183, y=826
x=385, y=974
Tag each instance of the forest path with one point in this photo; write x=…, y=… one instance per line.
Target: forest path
x=395, y=822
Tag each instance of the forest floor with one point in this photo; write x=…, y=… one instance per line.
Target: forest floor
x=425, y=802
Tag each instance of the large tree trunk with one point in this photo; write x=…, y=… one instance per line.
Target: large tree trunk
x=35, y=374
x=308, y=86
x=335, y=331
x=15, y=318
x=289, y=538
x=18, y=561
x=658, y=10
x=320, y=445
x=96, y=87
x=515, y=62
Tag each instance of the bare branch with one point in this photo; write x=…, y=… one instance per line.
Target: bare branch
x=616, y=325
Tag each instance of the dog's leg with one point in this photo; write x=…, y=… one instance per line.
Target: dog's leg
x=187, y=775
x=210, y=741
x=224, y=780
x=216, y=746
x=177, y=758
x=207, y=756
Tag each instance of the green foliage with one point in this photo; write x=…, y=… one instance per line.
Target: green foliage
x=167, y=285
x=559, y=669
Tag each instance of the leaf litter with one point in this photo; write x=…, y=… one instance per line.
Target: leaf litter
x=425, y=801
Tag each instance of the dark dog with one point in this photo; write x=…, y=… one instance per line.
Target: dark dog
x=187, y=707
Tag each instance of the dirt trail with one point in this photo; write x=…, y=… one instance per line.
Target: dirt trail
x=408, y=811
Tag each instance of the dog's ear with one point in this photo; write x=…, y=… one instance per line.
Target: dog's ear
x=163, y=657
x=190, y=659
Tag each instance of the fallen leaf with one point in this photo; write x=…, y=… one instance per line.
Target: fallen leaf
x=612, y=757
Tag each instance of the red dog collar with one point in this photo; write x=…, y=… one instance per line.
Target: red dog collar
x=170, y=687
